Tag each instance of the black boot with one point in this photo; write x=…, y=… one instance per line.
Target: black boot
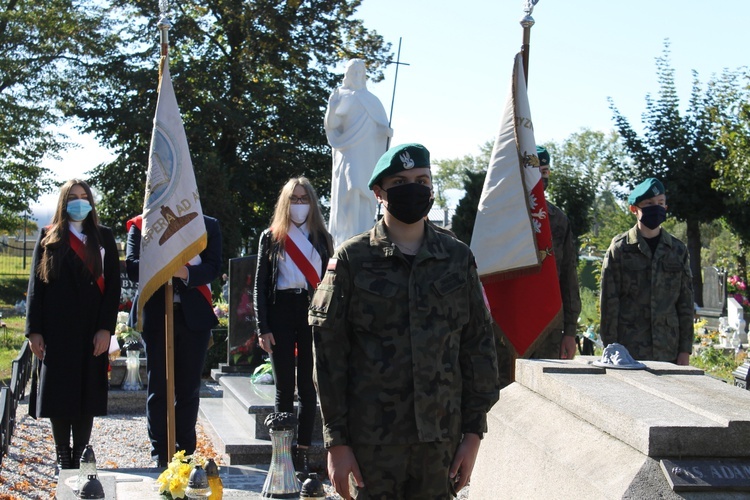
x=301, y=463
x=63, y=457
x=76, y=457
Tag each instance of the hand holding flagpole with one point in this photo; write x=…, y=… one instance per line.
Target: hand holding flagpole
x=527, y=22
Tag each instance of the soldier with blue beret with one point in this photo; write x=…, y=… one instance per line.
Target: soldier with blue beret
x=646, y=287
x=405, y=363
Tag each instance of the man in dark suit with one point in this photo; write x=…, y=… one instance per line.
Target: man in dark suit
x=193, y=320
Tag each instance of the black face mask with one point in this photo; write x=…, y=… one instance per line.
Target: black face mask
x=653, y=215
x=545, y=182
x=409, y=203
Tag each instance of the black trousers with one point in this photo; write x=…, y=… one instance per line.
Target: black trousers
x=189, y=356
x=287, y=318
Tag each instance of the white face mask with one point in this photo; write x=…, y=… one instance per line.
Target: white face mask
x=298, y=213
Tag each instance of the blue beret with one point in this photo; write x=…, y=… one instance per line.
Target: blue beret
x=647, y=189
x=543, y=156
x=400, y=158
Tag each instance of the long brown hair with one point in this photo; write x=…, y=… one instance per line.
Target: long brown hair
x=56, y=241
x=282, y=218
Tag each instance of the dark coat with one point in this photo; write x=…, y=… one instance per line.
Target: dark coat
x=68, y=311
x=198, y=312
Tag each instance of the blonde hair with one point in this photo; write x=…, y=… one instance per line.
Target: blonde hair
x=281, y=216
x=56, y=240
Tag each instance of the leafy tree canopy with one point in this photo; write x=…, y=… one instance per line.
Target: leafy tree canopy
x=38, y=40
x=252, y=79
x=451, y=173
x=579, y=169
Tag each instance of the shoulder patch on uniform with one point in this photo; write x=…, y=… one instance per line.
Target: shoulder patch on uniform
x=331, y=264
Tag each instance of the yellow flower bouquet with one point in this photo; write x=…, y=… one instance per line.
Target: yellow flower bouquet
x=174, y=480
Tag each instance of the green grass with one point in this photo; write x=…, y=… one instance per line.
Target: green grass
x=13, y=264
x=717, y=363
x=10, y=346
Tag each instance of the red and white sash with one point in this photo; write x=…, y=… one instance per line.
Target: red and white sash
x=304, y=255
x=80, y=250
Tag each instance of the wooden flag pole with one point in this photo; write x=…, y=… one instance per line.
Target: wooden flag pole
x=164, y=26
x=527, y=22
x=169, y=349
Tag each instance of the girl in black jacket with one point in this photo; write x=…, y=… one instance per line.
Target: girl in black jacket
x=292, y=258
x=71, y=312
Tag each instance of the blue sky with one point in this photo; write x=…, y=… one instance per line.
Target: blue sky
x=582, y=51
x=460, y=57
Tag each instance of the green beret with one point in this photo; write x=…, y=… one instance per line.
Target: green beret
x=647, y=189
x=400, y=158
x=543, y=156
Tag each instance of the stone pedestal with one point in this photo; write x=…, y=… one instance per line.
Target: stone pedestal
x=567, y=429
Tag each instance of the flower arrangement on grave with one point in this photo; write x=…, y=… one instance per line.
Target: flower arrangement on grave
x=243, y=353
x=221, y=309
x=737, y=288
x=174, y=480
x=127, y=336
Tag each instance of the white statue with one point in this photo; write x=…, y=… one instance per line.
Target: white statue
x=357, y=129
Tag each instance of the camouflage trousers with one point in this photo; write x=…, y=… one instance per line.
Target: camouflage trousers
x=404, y=471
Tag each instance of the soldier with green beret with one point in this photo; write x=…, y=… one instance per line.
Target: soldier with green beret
x=405, y=364
x=561, y=342
x=646, y=287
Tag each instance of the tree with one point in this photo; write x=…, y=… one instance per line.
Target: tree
x=579, y=169
x=462, y=224
x=681, y=151
x=39, y=42
x=451, y=173
x=610, y=218
x=252, y=79
x=730, y=112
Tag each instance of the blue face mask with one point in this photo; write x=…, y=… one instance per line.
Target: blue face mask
x=78, y=209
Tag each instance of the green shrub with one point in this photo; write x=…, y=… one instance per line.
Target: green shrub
x=12, y=289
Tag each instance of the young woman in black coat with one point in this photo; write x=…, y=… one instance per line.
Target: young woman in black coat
x=292, y=258
x=71, y=312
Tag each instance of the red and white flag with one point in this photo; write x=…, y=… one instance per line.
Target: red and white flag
x=512, y=240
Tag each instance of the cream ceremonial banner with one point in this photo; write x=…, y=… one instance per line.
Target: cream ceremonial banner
x=173, y=229
x=512, y=240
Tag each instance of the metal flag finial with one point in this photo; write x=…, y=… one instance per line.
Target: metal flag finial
x=528, y=7
x=164, y=7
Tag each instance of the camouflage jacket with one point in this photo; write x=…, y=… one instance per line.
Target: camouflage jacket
x=647, y=303
x=566, y=261
x=404, y=353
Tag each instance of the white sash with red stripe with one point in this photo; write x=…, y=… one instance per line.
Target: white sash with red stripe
x=304, y=255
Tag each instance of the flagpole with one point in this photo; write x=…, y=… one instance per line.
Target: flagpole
x=164, y=26
x=527, y=22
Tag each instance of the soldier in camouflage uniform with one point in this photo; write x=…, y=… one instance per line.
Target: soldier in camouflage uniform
x=561, y=342
x=404, y=359
x=646, y=289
